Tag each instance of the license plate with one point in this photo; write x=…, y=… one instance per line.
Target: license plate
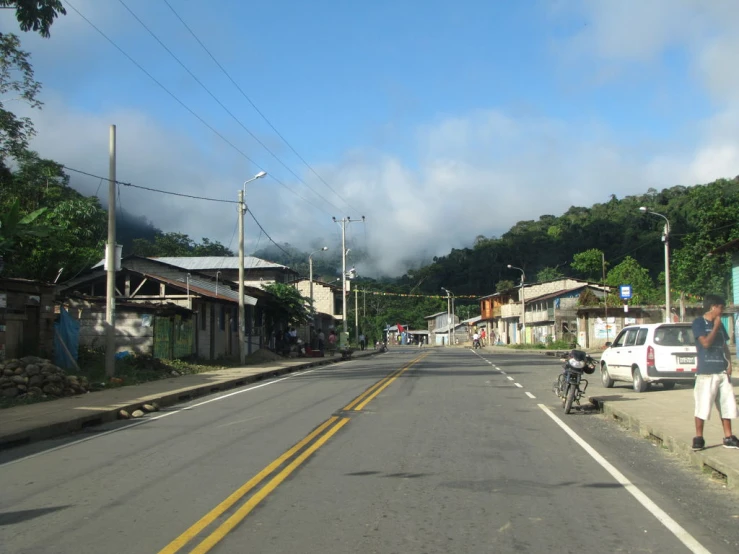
x=689, y=360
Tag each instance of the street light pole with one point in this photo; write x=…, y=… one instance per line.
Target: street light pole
x=344, y=221
x=448, y=316
x=242, y=317
x=310, y=279
x=523, y=303
x=666, y=240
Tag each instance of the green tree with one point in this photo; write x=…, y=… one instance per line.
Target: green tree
x=15, y=227
x=549, y=274
x=502, y=286
x=589, y=264
x=35, y=15
x=629, y=272
x=291, y=307
x=211, y=248
x=17, y=84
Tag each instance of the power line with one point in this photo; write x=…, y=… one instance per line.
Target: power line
x=267, y=235
x=152, y=189
x=253, y=105
x=185, y=106
x=214, y=97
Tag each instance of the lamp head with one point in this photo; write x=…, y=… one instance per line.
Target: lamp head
x=643, y=209
x=509, y=266
x=324, y=248
x=260, y=175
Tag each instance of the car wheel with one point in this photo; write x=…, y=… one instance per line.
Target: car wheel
x=640, y=385
x=669, y=385
x=605, y=377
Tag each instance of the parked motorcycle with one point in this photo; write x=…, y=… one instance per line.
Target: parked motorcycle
x=570, y=385
x=476, y=344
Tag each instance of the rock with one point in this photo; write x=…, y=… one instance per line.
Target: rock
x=32, y=369
x=36, y=380
x=123, y=414
x=156, y=406
x=9, y=392
x=52, y=390
x=22, y=388
x=19, y=379
x=19, y=371
x=137, y=413
x=5, y=383
x=12, y=364
x=175, y=373
x=54, y=378
x=35, y=391
x=8, y=372
x=148, y=408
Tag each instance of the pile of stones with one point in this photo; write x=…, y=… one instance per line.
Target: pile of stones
x=33, y=376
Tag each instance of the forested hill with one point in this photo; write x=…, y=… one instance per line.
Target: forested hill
x=701, y=218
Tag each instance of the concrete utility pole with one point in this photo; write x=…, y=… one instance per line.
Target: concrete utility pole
x=110, y=255
x=666, y=240
x=344, y=221
x=310, y=279
x=523, y=303
x=356, y=315
x=605, y=291
x=448, y=316
x=242, y=315
x=242, y=326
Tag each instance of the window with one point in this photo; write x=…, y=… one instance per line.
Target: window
x=674, y=336
x=620, y=339
x=631, y=337
x=641, y=337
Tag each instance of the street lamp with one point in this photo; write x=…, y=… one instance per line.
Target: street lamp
x=242, y=211
x=310, y=279
x=448, y=316
x=666, y=240
x=523, y=303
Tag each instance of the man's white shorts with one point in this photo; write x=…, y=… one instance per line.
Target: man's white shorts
x=715, y=388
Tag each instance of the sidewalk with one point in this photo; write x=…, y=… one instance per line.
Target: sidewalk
x=44, y=420
x=666, y=418
x=663, y=417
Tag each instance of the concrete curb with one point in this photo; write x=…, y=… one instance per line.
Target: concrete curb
x=703, y=459
x=106, y=415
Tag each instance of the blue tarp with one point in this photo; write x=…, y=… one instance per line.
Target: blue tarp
x=67, y=329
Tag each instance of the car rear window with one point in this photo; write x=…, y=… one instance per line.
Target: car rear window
x=674, y=336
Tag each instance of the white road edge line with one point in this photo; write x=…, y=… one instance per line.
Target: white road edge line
x=530, y=395
x=519, y=385
x=509, y=377
x=150, y=419
x=675, y=528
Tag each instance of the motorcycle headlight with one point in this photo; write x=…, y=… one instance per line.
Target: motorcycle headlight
x=577, y=364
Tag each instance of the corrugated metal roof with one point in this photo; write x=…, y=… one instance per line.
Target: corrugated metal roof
x=205, y=263
x=205, y=287
x=434, y=315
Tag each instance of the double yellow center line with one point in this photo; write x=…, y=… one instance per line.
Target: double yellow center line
x=312, y=442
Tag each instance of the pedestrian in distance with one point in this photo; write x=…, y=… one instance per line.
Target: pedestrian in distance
x=362, y=341
x=713, y=374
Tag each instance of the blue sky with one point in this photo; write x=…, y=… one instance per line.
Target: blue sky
x=417, y=113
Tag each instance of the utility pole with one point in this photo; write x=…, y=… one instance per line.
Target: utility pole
x=110, y=255
x=343, y=222
x=242, y=322
x=242, y=315
x=605, y=292
x=356, y=315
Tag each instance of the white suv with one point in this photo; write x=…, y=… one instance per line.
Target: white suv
x=662, y=353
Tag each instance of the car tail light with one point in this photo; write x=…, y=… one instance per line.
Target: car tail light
x=650, y=356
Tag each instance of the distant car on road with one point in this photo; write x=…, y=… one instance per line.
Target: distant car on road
x=661, y=353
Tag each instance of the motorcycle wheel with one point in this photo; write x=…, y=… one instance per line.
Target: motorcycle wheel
x=570, y=398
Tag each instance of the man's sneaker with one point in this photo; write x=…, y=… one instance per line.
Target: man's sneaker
x=731, y=442
x=699, y=443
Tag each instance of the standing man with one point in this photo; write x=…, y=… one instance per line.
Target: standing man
x=362, y=341
x=713, y=376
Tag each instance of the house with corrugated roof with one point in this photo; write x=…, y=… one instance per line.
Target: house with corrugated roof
x=210, y=325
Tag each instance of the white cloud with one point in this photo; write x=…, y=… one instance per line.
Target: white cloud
x=472, y=173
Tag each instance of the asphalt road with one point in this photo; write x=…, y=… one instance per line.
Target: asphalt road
x=412, y=451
